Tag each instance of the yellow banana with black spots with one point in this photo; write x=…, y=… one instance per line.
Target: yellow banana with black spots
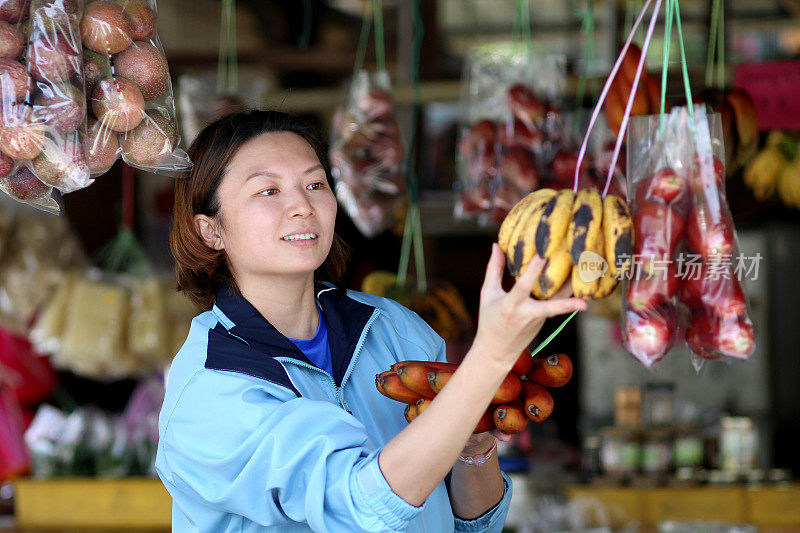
x=552, y=228
x=585, y=227
x=586, y=272
x=617, y=234
x=554, y=274
x=521, y=244
x=513, y=216
x=608, y=282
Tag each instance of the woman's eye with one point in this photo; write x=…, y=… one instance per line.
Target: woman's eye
x=316, y=186
x=268, y=192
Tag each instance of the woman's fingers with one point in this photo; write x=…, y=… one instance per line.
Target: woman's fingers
x=521, y=290
x=555, y=307
x=494, y=270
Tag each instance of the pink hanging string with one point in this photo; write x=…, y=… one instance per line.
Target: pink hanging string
x=626, y=116
x=604, y=93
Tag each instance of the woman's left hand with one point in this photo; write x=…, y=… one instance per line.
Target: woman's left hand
x=478, y=443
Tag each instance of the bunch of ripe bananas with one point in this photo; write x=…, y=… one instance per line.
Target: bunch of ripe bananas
x=522, y=395
x=776, y=167
x=562, y=227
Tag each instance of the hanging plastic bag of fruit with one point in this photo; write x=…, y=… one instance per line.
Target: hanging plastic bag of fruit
x=366, y=151
x=685, y=242
x=712, y=286
x=685, y=236
x=660, y=202
x=128, y=87
x=205, y=96
x=503, y=135
x=511, y=122
x=43, y=108
x=367, y=154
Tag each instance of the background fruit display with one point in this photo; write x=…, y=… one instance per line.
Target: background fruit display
x=441, y=305
x=522, y=395
x=513, y=127
x=739, y=125
x=128, y=87
x=776, y=168
x=648, y=93
x=366, y=153
x=112, y=326
x=685, y=250
x=585, y=239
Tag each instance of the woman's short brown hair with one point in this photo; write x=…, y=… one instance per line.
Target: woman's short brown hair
x=200, y=269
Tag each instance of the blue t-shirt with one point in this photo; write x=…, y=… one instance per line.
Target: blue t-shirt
x=316, y=348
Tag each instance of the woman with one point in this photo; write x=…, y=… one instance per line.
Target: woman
x=271, y=420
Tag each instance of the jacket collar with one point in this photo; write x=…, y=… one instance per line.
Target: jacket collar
x=345, y=317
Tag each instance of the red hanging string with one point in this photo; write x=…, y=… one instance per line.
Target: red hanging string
x=128, y=196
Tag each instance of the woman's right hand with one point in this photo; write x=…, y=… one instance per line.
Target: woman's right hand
x=508, y=321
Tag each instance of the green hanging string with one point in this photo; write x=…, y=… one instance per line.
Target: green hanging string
x=721, y=47
x=552, y=335
x=405, y=249
x=515, y=28
x=305, y=37
x=630, y=10
x=587, y=31
x=413, y=226
x=233, y=63
x=227, y=63
x=526, y=25
x=363, y=39
x=684, y=68
x=711, y=52
x=380, y=53
x=665, y=64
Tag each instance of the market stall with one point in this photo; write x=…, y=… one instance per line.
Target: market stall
x=647, y=151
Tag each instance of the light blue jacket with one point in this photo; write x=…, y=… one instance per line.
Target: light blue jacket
x=255, y=438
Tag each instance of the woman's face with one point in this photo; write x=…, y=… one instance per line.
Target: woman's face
x=276, y=208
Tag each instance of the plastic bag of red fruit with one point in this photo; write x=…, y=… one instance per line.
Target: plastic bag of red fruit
x=43, y=113
x=686, y=261
x=366, y=153
x=46, y=77
x=511, y=127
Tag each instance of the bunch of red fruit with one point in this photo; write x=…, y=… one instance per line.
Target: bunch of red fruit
x=522, y=395
x=681, y=219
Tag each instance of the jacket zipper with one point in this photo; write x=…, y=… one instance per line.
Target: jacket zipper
x=338, y=390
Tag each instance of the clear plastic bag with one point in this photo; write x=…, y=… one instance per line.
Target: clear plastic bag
x=128, y=89
x=512, y=128
x=43, y=110
x=685, y=243
x=367, y=154
x=200, y=102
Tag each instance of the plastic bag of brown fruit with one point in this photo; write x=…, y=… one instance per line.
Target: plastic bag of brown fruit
x=511, y=128
x=68, y=112
x=128, y=88
x=367, y=153
x=43, y=114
